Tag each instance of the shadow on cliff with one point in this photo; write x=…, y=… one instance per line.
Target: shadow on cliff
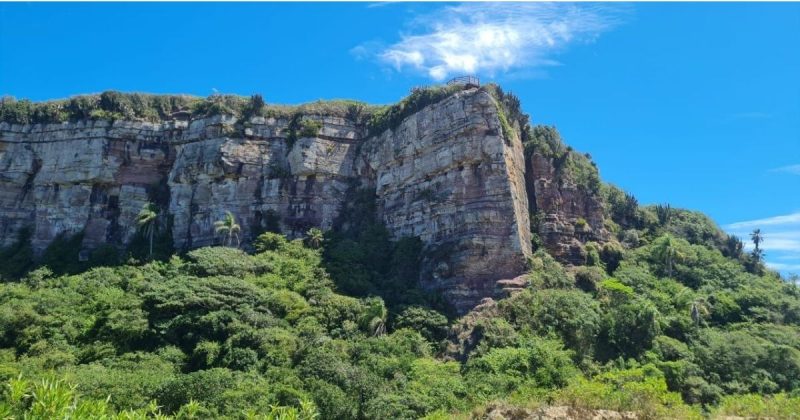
x=363, y=261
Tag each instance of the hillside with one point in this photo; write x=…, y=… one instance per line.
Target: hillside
x=439, y=258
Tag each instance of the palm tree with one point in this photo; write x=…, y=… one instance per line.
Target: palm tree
x=758, y=255
x=667, y=252
x=375, y=317
x=314, y=238
x=757, y=238
x=147, y=220
x=698, y=306
x=229, y=228
x=699, y=310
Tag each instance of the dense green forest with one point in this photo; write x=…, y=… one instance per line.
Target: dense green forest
x=673, y=319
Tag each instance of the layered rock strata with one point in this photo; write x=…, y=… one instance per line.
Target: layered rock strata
x=446, y=174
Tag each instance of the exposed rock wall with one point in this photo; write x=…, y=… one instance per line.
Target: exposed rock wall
x=448, y=176
x=445, y=174
x=568, y=214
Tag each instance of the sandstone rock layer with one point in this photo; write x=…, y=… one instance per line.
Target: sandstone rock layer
x=446, y=174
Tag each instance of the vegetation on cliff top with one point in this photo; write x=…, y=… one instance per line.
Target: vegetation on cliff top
x=112, y=105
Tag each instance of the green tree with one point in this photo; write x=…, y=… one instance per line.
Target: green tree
x=757, y=238
x=374, y=318
x=147, y=220
x=314, y=238
x=733, y=246
x=666, y=251
x=697, y=306
x=228, y=228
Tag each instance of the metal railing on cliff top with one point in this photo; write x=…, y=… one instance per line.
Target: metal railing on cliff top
x=468, y=81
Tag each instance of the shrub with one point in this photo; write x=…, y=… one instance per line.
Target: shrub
x=572, y=315
x=269, y=241
x=310, y=128
x=212, y=261
x=778, y=406
x=431, y=324
x=389, y=118
x=588, y=278
x=536, y=362
x=547, y=273
x=643, y=390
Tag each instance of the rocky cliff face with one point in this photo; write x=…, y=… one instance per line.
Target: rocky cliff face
x=568, y=215
x=446, y=174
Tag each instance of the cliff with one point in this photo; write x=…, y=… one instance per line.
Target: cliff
x=454, y=173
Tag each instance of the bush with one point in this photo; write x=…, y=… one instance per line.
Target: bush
x=269, y=241
x=588, y=278
x=643, y=390
x=536, y=362
x=547, y=273
x=310, y=128
x=431, y=324
x=390, y=117
x=779, y=406
x=572, y=315
x=213, y=261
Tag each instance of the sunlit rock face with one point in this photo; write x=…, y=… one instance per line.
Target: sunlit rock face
x=446, y=174
x=570, y=216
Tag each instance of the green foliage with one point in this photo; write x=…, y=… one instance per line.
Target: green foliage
x=570, y=166
x=534, y=362
x=546, y=273
x=621, y=207
x=629, y=329
x=611, y=254
x=363, y=261
x=388, y=118
x=642, y=390
x=17, y=258
x=269, y=241
x=570, y=314
x=588, y=278
x=668, y=313
x=310, y=128
x=223, y=261
x=62, y=255
x=112, y=105
x=108, y=105
x=779, y=406
x=740, y=362
x=431, y=324
x=255, y=107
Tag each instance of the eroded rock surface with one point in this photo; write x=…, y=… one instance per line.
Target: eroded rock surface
x=446, y=174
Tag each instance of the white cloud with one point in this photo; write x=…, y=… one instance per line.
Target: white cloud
x=784, y=267
x=487, y=38
x=790, y=169
x=770, y=221
x=781, y=239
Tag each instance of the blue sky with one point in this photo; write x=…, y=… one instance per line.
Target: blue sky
x=694, y=104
